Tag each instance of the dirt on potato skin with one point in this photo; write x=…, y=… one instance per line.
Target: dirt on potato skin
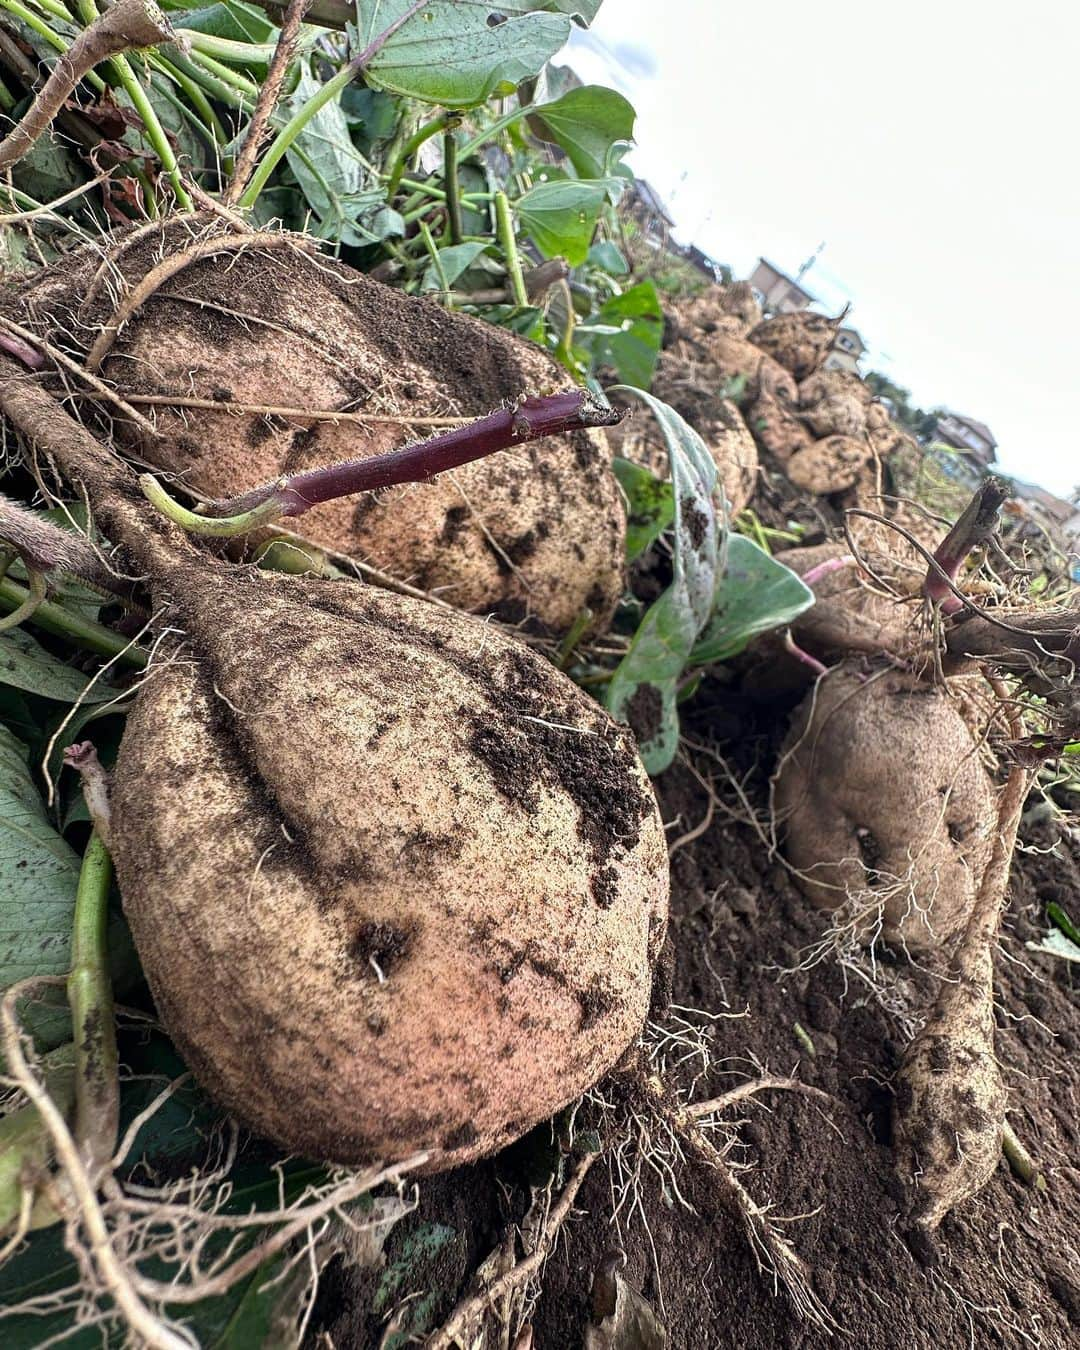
x=1002, y=1274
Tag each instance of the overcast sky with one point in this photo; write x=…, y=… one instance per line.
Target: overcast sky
x=931, y=146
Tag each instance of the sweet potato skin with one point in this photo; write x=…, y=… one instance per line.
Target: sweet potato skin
x=396, y=884
x=880, y=789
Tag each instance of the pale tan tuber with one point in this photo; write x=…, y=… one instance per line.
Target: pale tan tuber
x=884, y=806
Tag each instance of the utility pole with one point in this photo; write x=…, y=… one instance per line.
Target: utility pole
x=810, y=261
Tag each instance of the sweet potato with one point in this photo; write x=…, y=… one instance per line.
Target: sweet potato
x=799, y=342
x=885, y=806
x=848, y=614
x=828, y=465
x=265, y=321
x=395, y=882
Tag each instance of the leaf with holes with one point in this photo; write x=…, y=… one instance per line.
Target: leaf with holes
x=644, y=688
x=459, y=52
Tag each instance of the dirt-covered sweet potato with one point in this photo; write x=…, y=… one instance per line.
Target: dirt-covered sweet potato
x=396, y=883
x=799, y=342
x=828, y=465
x=701, y=334
x=848, y=614
x=834, y=403
x=776, y=427
x=884, y=806
x=264, y=321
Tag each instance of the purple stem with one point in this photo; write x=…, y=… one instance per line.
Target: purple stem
x=380, y=40
x=823, y=569
x=22, y=351
x=793, y=649
x=975, y=524
x=528, y=421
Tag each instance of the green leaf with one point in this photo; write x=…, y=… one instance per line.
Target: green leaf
x=237, y=22
x=755, y=594
x=448, y=53
x=586, y=122
x=323, y=157
x=650, y=505
x=608, y=258
x=1060, y=919
x=560, y=217
x=25, y=664
x=643, y=690
x=633, y=345
x=454, y=259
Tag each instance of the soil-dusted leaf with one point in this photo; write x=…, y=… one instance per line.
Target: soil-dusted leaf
x=412, y=1276
x=634, y=344
x=643, y=689
x=586, y=122
x=25, y=664
x=560, y=217
x=755, y=594
x=650, y=505
x=448, y=51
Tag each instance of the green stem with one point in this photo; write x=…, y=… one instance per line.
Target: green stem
x=504, y=225
x=436, y=261
x=217, y=527
x=196, y=97
x=453, y=187
x=415, y=141
x=226, y=49
x=42, y=29
x=34, y=596
x=55, y=8
x=226, y=74
x=155, y=132
x=217, y=88
x=283, y=141
x=471, y=147
x=89, y=990
x=54, y=618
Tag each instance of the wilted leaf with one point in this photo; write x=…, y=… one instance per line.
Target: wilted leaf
x=755, y=594
x=451, y=53
x=560, y=217
x=622, y=1319
x=650, y=505
x=322, y=157
x=586, y=122
x=643, y=689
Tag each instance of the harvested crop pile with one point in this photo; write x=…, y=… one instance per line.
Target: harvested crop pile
x=885, y=809
x=835, y=403
x=261, y=321
x=799, y=342
x=688, y=388
x=716, y=342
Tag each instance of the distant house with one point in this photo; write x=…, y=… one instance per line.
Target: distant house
x=780, y=294
x=647, y=208
x=847, y=348
x=973, y=439
x=1055, y=511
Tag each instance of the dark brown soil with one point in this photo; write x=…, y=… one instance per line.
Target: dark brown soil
x=1005, y=1270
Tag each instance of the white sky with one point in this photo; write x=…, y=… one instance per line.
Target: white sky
x=932, y=146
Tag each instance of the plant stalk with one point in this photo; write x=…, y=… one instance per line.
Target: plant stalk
x=504, y=225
